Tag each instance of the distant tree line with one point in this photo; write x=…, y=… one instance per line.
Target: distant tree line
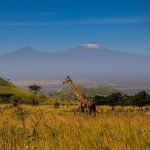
x=117, y=99
x=11, y=99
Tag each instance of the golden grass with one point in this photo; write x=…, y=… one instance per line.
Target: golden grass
x=47, y=128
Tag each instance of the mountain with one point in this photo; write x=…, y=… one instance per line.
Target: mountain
x=23, y=53
x=85, y=62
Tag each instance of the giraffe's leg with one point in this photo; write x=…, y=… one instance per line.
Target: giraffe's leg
x=90, y=110
x=82, y=108
x=77, y=110
x=94, y=111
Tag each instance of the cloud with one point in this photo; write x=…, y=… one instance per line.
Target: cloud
x=24, y=24
x=99, y=21
x=90, y=21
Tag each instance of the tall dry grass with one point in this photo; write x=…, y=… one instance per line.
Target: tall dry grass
x=46, y=128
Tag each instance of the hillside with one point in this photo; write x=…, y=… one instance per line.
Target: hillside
x=6, y=87
x=5, y=83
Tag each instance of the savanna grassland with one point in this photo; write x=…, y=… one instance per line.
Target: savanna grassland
x=47, y=128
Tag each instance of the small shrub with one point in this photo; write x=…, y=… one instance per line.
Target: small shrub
x=56, y=104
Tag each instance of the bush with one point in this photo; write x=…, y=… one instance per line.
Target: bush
x=56, y=104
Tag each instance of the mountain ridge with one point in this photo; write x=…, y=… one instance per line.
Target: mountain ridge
x=86, y=62
x=29, y=49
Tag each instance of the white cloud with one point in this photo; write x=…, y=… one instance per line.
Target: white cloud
x=90, y=21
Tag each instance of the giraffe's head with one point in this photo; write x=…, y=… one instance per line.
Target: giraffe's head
x=67, y=80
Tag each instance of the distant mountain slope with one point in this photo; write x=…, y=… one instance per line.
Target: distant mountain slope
x=66, y=92
x=85, y=62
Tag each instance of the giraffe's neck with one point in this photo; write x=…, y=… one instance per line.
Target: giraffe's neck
x=82, y=98
x=76, y=91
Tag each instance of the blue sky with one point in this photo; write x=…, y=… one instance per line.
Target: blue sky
x=52, y=25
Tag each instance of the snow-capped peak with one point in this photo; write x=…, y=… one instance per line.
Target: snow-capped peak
x=92, y=46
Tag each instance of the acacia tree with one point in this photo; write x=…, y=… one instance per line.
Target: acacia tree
x=124, y=100
x=141, y=99
x=100, y=100
x=113, y=99
x=35, y=88
x=5, y=97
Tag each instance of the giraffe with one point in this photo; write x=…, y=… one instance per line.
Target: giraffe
x=82, y=99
